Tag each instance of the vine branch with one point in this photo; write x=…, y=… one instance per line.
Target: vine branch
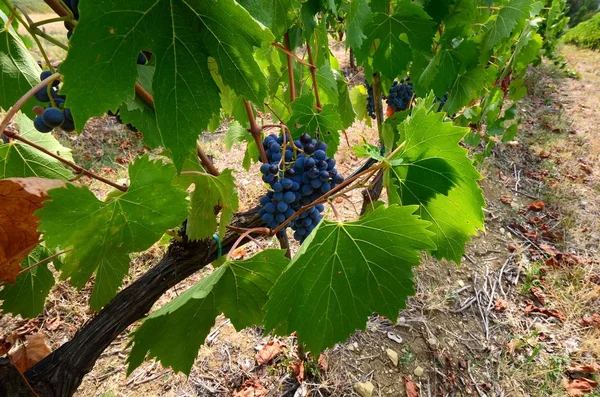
x=256, y=132
x=313, y=73
x=288, y=49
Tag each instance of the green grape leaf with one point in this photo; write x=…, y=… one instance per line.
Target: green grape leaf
x=466, y=88
x=409, y=27
x=451, y=199
x=358, y=15
x=238, y=289
x=102, y=234
x=209, y=192
x=277, y=15
x=359, y=97
x=236, y=133
x=100, y=70
x=325, y=124
x=28, y=294
x=343, y=272
x=328, y=87
x=18, y=68
x=344, y=108
x=18, y=160
x=501, y=25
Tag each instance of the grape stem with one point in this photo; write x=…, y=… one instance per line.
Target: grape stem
x=290, y=67
x=260, y=230
x=291, y=54
x=313, y=73
x=256, y=132
x=377, y=102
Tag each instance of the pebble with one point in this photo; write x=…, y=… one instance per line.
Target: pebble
x=419, y=371
x=393, y=355
x=365, y=389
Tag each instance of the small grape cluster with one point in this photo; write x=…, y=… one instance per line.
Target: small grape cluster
x=370, y=101
x=55, y=115
x=298, y=173
x=441, y=101
x=74, y=7
x=400, y=95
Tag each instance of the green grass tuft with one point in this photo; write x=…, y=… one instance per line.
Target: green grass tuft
x=586, y=34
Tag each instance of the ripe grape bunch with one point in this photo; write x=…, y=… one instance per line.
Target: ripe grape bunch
x=370, y=101
x=55, y=115
x=400, y=95
x=298, y=173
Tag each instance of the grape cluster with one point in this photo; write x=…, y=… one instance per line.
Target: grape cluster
x=441, y=101
x=55, y=115
x=400, y=95
x=370, y=101
x=298, y=173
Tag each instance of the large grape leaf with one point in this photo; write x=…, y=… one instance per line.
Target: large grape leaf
x=102, y=234
x=502, y=24
x=325, y=124
x=358, y=14
x=238, y=289
x=344, y=272
x=409, y=27
x=100, y=69
x=467, y=88
x=277, y=15
x=28, y=294
x=18, y=69
x=18, y=160
x=436, y=174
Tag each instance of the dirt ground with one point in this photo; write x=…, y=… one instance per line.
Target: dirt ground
x=515, y=319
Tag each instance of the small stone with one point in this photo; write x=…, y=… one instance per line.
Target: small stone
x=365, y=389
x=393, y=356
x=355, y=344
x=451, y=343
x=419, y=371
x=461, y=283
x=432, y=342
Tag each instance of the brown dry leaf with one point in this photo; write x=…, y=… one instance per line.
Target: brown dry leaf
x=553, y=235
x=239, y=253
x=20, y=198
x=298, y=370
x=531, y=308
x=552, y=262
x=586, y=168
x=53, y=323
x=268, y=352
x=538, y=205
x=539, y=295
x=550, y=250
x=323, y=363
x=505, y=199
x=412, y=390
x=595, y=278
x=591, y=321
x=501, y=305
x=579, y=386
x=251, y=388
x=512, y=247
x=593, y=368
x=4, y=346
x=30, y=353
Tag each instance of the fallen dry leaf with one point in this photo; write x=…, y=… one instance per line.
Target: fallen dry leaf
x=53, y=323
x=239, y=253
x=538, y=205
x=593, y=368
x=268, y=352
x=512, y=247
x=20, y=198
x=579, y=386
x=412, y=390
x=323, y=363
x=591, y=321
x=298, y=370
x=501, y=305
x=586, y=168
x=505, y=199
x=531, y=308
x=30, y=353
x=595, y=278
x=539, y=295
x=251, y=388
x=550, y=250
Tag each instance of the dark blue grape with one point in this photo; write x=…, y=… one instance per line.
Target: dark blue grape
x=279, y=218
x=264, y=168
x=287, y=183
x=316, y=183
x=141, y=59
x=277, y=187
x=267, y=217
x=42, y=95
x=309, y=163
x=68, y=125
x=289, y=197
x=320, y=155
x=39, y=125
x=309, y=149
x=305, y=138
x=278, y=196
x=264, y=200
x=53, y=117
x=270, y=208
x=282, y=206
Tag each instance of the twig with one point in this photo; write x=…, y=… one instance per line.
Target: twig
x=259, y=230
x=255, y=131
x=284, y=243
x=291, y=54
x=313, y=73
x=273, y=111
x=210, y=167
x=290, y=66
